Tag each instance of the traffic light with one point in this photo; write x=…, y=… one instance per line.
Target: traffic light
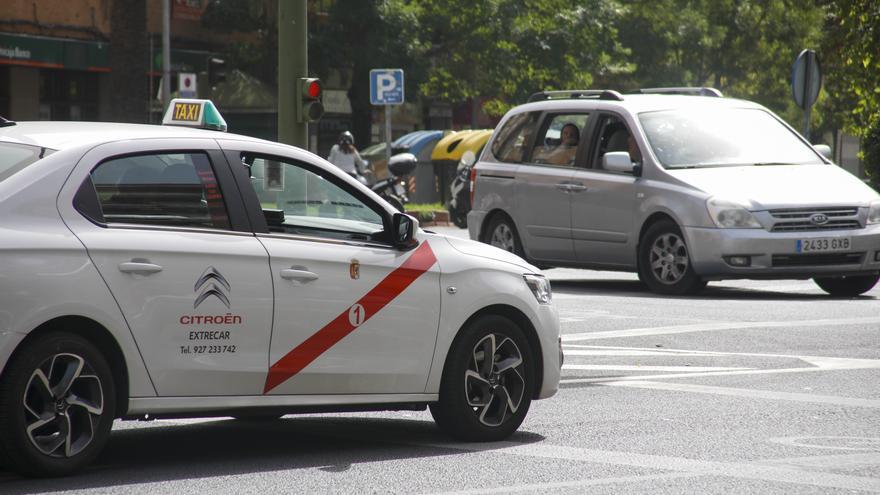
x=309, y=106
x=216, y=71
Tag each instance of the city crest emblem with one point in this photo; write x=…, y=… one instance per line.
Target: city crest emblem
x=354, y=270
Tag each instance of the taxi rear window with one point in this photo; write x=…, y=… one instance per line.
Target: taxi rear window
x=15, y=157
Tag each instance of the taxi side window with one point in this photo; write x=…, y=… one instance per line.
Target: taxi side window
x=169, y=189
x=296, y=200
x=559, y=139
x=513, y=139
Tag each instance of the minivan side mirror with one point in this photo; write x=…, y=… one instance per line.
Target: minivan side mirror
x=619, y=161
x=823, y=150
x=403, y=229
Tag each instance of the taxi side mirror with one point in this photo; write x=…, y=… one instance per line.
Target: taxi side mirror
x=403, y=229
x=824, y=150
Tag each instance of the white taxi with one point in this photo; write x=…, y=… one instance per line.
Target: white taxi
x=166, y=271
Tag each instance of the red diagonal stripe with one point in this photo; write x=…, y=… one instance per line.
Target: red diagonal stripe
x=390, y=287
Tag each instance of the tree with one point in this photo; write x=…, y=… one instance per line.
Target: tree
x=129, y=59
x=851, y=56
x=745, y=49
x=507, y=49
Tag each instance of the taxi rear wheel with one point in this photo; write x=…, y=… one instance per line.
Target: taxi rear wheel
x=848, y=286
x=664, y=261
x=502, y=234
x=488, y=381
x=57, y=405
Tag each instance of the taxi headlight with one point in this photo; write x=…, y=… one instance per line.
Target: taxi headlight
x=729, y=214
x=874, y=213
x=540, y=287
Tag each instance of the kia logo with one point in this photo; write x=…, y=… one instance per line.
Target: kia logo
x=211, y=283
x=819, y=218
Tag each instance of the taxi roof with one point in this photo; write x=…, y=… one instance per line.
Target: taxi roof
x=62, y=135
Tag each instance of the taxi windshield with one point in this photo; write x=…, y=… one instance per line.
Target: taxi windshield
x=15, y=157
x=728, y=137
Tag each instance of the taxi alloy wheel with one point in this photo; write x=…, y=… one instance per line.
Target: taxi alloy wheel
x=494, y=382
x=847, y=286
x=502, y=234
x=57, y=406
x=488, y=381
x=664, y=262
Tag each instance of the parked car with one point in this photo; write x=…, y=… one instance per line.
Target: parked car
x=679, y=185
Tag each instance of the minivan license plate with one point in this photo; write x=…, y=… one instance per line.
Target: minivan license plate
x=823, y=244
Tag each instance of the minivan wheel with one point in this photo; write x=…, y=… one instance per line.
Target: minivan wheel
x=57, y=405
x=502, y=234
x=847, y=286
x=664, y=262
x=488, y=381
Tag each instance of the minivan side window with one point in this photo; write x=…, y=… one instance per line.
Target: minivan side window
x=559, y=140
x=514, y=137
x=614, y=135
x=169, y=189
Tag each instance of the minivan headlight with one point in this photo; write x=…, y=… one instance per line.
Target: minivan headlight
x=874, y=213
x=540, y=287
x=729, y=214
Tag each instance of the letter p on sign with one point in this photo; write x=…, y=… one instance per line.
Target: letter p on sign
x=386, y=86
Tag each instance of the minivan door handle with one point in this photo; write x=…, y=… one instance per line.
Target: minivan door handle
x=576, y=187
x=143, y=267
x=298, y=273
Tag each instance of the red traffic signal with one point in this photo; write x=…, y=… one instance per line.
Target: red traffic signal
x=309, y=106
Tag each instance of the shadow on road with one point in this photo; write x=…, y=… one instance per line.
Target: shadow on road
x=228, y=447
x=713, y=291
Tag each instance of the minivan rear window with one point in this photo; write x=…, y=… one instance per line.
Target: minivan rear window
x=15, y=157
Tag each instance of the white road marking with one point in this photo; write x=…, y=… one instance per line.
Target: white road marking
x=714, y=327
x=750, y=393
x=870, y=444
x=837, y=461
x=631, y=367
x=611, y=352
x=538, y=487
x=741, y=470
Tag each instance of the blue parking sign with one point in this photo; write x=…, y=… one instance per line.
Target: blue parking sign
x=386, y=86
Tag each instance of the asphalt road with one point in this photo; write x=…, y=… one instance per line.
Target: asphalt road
x=760, y=387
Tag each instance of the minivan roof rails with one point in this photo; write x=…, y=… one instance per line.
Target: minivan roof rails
x=601, y=94
x=685, y=90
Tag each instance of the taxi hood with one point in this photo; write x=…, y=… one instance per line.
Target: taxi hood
x=474, y=248
x=773, y=186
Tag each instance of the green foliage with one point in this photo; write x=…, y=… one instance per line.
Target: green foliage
x=851, y=52
x=871, y=153
x=506, y=49
x=745, y=49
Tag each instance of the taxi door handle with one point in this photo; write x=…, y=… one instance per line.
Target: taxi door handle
x=301, y=275
x=137, y=266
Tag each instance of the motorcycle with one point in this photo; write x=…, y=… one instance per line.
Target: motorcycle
x=393, y=188
x=460, y=190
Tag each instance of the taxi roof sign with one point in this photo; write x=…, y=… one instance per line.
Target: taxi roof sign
x=194, y=113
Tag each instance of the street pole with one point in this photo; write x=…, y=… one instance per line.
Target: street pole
x=293, y=63
x=807, y=84
x=388, y=134
x=166, y=53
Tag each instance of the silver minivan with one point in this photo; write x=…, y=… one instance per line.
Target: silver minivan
x=681, y=186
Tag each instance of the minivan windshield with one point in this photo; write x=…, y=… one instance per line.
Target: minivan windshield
x=723, y=137
x=15, y=157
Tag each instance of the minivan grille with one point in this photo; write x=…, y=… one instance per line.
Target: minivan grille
x=798, y=220
x=817, y=259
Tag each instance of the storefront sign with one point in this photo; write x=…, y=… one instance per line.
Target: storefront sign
x=54, y=53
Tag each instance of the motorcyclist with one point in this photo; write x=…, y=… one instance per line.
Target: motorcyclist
x=344, y=155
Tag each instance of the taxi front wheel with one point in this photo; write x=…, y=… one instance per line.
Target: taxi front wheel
x=488, y=381
x=57, y=405
x=848, y=286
